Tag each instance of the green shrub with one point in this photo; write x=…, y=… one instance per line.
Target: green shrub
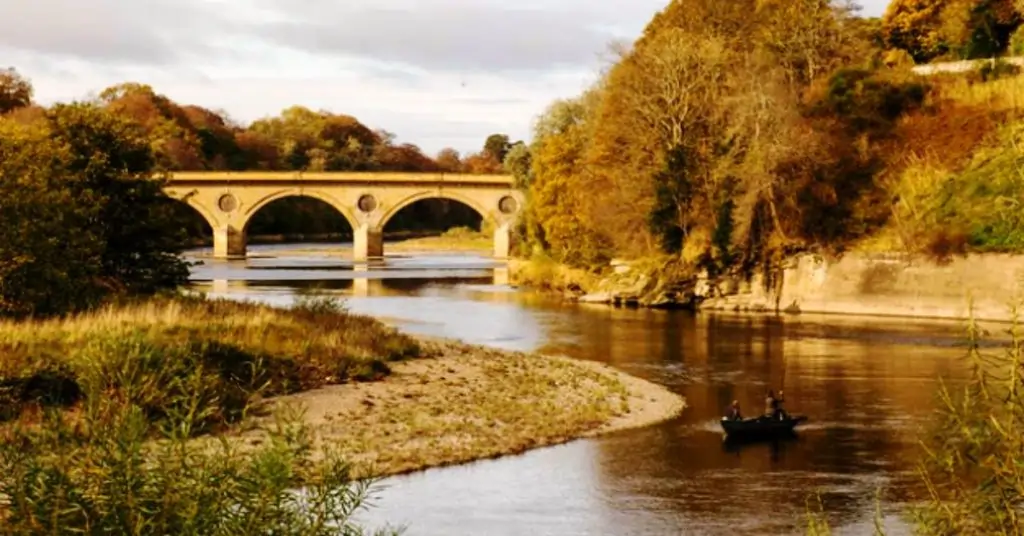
x=101, y=473
x=866, y=100
x=974, y=463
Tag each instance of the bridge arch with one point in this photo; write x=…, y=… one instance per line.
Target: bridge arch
x=486, y=215
x=196, y=205
x=336, y=204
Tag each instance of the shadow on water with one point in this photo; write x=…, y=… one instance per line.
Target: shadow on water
x=775, y=444
x=866, y=384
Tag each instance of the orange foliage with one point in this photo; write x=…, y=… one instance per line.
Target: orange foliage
x=189, y=137
x=449, y=161
x=947, y=137
x=482, y=164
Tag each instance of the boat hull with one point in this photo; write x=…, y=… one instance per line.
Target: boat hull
x=761, y=427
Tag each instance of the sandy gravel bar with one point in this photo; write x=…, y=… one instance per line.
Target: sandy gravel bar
x=468, y=403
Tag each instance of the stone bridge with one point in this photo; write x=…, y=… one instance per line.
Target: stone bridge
x=228, y=201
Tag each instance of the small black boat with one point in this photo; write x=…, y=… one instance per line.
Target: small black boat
x=763, y=426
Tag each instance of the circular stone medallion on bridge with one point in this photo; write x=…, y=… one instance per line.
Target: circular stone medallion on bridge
x=367, y=203
x=227, y=203
x=507, y=205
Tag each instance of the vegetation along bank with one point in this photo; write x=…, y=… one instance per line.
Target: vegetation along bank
x=789, y=151
x=126, y=408
x=141, y=387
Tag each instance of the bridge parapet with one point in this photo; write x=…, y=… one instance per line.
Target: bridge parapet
x=334, y=177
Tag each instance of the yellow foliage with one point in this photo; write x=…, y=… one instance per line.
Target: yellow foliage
x=559, y=191
x=898, y=58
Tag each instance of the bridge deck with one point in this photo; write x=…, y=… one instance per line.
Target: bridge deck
x=336, y=177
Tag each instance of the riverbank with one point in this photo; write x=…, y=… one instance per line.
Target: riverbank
x=389, y=402
x=857, y=283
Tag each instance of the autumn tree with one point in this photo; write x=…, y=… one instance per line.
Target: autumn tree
x=482, y=163
x=497, y=146
x=965, y=28
x=448, y=160
x=87, y=219
x=915, y=26
x=173, y=141
x=560, y=203
x=694, y=144
x=662, y=98
x=405, y=157
x=47, y=264
x=518, y=164
x=15, y=91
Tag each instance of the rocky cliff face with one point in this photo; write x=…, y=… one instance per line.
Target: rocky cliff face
x=857, y=283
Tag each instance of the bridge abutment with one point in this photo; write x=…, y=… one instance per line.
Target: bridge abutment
x=229, y=242
x=503, y=241
x=368, y=243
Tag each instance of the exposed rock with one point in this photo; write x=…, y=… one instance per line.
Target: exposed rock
x=597, y=297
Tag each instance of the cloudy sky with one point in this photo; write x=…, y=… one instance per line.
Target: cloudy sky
x=438, y=73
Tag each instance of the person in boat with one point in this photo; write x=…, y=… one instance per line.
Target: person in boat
x=733, y=414
x=770, y=404
x=779, y=412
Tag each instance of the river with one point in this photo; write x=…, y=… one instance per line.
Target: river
x=867, y=384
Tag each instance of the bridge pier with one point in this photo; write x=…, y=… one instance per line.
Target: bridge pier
x=368, y=243
x=503, y=241
x=228, y=242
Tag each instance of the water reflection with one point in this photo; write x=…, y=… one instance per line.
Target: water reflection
x=867, y=386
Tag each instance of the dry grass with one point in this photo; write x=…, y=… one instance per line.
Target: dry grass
x=473, y=403
x=952, y=171
x=544, y=273
x=1002, y=94
x=147, y=352
x=456, y=239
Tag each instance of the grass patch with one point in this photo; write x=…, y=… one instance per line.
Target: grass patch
x=454, y=239
x=944, y=211
x=150, y=354
x=542, y=272
x=999, y=94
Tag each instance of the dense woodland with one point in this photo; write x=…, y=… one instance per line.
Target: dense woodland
x=732, y=134
x=192, y=138
x=78, y=224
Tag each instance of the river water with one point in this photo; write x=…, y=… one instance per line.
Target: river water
x=867, y=384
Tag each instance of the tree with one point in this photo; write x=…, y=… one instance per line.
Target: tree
x=518, y=163
x=406, y=157
x=483, y=163
x=172, y=138
x=76, y=188
x=15, y=91
x=967, y=28
x=448, y=160
x=560, y=202
x=915, y=26
x=497, y=145
x=111, y=160
x=49, y=256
